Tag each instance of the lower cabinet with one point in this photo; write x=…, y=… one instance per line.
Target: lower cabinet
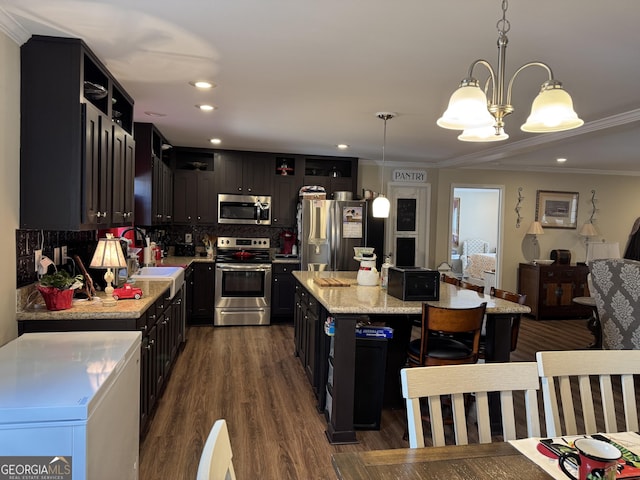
x=283, y=290
x=201, y=299
x=162, y=327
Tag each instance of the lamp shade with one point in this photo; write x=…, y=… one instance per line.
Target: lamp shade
x=535, y=229
x=108, y=254
x=552, y=111
x=588, y=230
x=381, y=207
x=483, y=134
x=467, y=109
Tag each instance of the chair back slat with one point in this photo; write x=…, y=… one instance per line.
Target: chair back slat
x=216, y=458
x=560, y=370
x=457, y=380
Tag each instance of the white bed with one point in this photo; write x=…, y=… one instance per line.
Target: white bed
x=476, y=258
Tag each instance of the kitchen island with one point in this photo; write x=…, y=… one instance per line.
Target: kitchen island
x=351, y=304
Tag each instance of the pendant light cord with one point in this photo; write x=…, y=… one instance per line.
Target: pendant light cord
x=384, y=116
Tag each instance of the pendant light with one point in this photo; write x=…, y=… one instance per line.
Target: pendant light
x=482, y=118
x=381, y=205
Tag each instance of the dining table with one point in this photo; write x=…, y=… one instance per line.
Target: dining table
x=496, y=461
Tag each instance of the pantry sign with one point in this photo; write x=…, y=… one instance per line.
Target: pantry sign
x=410, y=176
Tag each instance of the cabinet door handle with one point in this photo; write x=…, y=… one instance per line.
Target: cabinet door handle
x=151, y=342
x=275, y=280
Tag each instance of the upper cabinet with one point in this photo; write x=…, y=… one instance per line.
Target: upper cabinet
x=154, y=177
x=288, y=178
x=77, y=147
x=194, y=190
x=333, y=173
x=243, y=173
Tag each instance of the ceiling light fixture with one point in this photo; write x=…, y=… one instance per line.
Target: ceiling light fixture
x=155, y=114
x=561, y=160
x=204, y=85
x=469, y=109
x=206, y=108
x=381, y=205
x=215, y=141
x=342, y=146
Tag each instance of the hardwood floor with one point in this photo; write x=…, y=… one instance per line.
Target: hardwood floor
x=250, y=377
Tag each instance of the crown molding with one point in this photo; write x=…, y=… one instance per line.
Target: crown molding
x=13, y=29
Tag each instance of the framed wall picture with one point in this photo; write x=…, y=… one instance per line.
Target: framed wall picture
x=557, y=209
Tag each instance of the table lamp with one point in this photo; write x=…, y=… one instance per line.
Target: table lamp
x=108, y=255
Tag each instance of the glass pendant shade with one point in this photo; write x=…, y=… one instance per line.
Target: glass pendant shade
x=467, y=109
x=552, y=111
x=381, y=207
x=484, y=134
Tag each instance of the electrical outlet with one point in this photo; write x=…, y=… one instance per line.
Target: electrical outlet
x=188, y=238
x=37, y=258
x=63, y=252
x=56, y=256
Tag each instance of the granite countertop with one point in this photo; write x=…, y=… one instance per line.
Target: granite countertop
x=357, y=299
x=31, y=306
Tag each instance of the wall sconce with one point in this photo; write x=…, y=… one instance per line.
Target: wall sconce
x=518, y=207
x=535, y=229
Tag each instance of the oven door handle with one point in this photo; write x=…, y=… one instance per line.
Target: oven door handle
x=230, y=267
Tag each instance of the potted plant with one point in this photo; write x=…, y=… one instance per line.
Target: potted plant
x=57, y=289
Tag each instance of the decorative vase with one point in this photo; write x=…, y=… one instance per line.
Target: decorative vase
x=56, y=299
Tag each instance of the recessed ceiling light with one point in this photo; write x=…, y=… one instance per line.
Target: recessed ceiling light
x=206, y=108
x=215, y=141
x=561, y=160
x=202, y=84
x=155, y=114
x=342, y=146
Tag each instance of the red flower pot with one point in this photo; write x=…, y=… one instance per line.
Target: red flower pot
x=56, y=299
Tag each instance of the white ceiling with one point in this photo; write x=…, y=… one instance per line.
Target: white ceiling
x=302, y=76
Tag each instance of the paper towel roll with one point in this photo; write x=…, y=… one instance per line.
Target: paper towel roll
x=148, y=256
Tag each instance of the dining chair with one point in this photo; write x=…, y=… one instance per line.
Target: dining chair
x=519, y=298
x=448, y=336
x=450, y=280
x=616, y=290
x=457, y=381
x=215, y=461
x=569, y=373
x=471, y=286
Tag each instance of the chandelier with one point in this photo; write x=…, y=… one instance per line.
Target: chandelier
x=482, y=120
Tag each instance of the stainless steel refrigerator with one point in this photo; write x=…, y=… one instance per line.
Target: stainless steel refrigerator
x=328, y=230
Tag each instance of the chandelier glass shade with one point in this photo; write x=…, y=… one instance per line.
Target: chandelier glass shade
x=470, y=108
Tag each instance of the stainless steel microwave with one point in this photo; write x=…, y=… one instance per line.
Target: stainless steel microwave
x=244, y=209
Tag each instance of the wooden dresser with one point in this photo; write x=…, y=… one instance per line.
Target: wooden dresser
x=550, y=290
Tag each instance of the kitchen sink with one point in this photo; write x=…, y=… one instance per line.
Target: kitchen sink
x=175, y=274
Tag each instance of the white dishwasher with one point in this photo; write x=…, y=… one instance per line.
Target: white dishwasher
x=70, y=405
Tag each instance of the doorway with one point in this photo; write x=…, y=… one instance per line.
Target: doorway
x=475, y=239
x=407, y=237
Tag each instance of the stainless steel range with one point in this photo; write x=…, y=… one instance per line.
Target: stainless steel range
x=243, y=281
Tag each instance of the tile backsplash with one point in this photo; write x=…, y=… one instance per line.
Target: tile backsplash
x=28, y=241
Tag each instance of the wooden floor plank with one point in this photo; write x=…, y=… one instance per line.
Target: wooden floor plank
x=250, y=377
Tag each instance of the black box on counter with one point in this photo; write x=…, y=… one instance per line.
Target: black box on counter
x=414, y=284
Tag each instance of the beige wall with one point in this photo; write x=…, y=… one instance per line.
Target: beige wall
x=617, y=203
x=9, y=181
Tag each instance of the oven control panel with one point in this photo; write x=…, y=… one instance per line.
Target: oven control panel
x=235, y=242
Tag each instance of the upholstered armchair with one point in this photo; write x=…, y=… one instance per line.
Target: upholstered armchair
x=616, y=289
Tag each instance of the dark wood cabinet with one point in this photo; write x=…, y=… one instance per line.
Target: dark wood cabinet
x=153, y=177
x=283, y=290
x=74, y=118
x=243, y=173
x=334, y=174
x=288, y=178
x=550, y=290
x=202, y=301
x=195, y=197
